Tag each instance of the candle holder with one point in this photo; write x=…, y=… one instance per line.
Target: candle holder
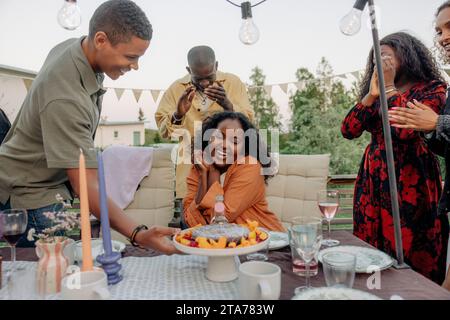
x=111, y=266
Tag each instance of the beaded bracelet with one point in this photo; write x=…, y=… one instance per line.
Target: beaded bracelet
x=134, y=234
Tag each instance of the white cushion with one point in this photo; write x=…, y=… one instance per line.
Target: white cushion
x=293, y=191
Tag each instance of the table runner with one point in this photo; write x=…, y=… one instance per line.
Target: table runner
x=178, y=277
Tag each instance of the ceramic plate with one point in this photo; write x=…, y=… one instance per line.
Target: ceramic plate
x=278, y=240
x=367, y=259
x=334, y=294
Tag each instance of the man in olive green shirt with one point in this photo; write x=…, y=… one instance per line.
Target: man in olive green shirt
x=60, y=114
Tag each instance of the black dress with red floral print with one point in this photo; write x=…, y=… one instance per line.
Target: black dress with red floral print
x=425, y=233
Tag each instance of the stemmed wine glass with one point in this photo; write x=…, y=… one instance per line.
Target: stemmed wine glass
x=13, y=224
x=328, y=202
x=306, y=233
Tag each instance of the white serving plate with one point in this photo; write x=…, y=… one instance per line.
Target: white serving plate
x=368, y=260
x=325, y=293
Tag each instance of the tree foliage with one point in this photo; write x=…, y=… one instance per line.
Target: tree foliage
x=318, y=110
x=267, y=113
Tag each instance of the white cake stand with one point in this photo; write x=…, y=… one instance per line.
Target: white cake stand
x=222, y=264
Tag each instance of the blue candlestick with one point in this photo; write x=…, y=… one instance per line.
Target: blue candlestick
x=106, y=232
x=109, y=259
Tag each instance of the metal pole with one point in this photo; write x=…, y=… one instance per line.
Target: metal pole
x=387, y=141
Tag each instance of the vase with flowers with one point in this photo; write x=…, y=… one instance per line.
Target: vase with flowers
x=50, y=246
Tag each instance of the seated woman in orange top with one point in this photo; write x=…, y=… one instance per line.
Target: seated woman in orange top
x=229, y=164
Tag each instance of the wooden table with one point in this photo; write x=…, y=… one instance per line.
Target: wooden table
x=405, y=283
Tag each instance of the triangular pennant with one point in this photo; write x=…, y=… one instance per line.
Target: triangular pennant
x=252, y=90
x=268, y=90
x=301, y=85
x=119, y=92
x=342, y=76
x=355, y=74
x=137, y=94
x=28, y=83
x=284, y=87
x=155, y=94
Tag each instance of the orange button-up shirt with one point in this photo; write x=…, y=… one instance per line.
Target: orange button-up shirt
x=244, y=193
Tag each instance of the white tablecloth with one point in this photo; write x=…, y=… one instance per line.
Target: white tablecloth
x=177, y=277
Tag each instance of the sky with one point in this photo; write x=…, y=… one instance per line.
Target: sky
x=294, y=33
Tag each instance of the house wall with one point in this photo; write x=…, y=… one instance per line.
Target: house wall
x=105, y=135
x=12, y=95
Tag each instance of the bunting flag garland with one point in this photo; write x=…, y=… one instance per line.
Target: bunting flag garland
x=355, y=74
x=284, y=87
x=27, y=82
x=300, y=85
x=252, y=90
x=137, y=94
x=155, y=94
x=119, y=92
x=268, y=89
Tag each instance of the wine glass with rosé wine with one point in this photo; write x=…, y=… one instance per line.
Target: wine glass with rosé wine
x=328, y=202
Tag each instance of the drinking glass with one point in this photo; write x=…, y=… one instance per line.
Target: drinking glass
x=22, y=284
x=328, y=202
x=306, y=234
x=339, y=269
x=298, y=264
x=13, y=224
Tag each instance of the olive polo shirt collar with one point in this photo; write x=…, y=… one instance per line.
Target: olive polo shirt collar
x=92, y=82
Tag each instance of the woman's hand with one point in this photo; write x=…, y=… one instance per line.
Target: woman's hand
x=157, y=238
x=389, y=71
x=213, y=175
x=374, y=91
x=199, y=163
x=417, y=116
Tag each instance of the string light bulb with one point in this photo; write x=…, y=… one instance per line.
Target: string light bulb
x=351, y=23
x=69, y=16
x=248, y=33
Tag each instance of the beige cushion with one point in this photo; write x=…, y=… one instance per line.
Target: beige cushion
x=293, y=191
x=154, y=200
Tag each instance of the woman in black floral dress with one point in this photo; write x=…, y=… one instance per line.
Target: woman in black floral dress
x=410, y=74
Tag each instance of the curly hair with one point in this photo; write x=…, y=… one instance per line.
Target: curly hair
x=120, y=20
x=438, y=49
x=251, y=135
x=417, y=62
